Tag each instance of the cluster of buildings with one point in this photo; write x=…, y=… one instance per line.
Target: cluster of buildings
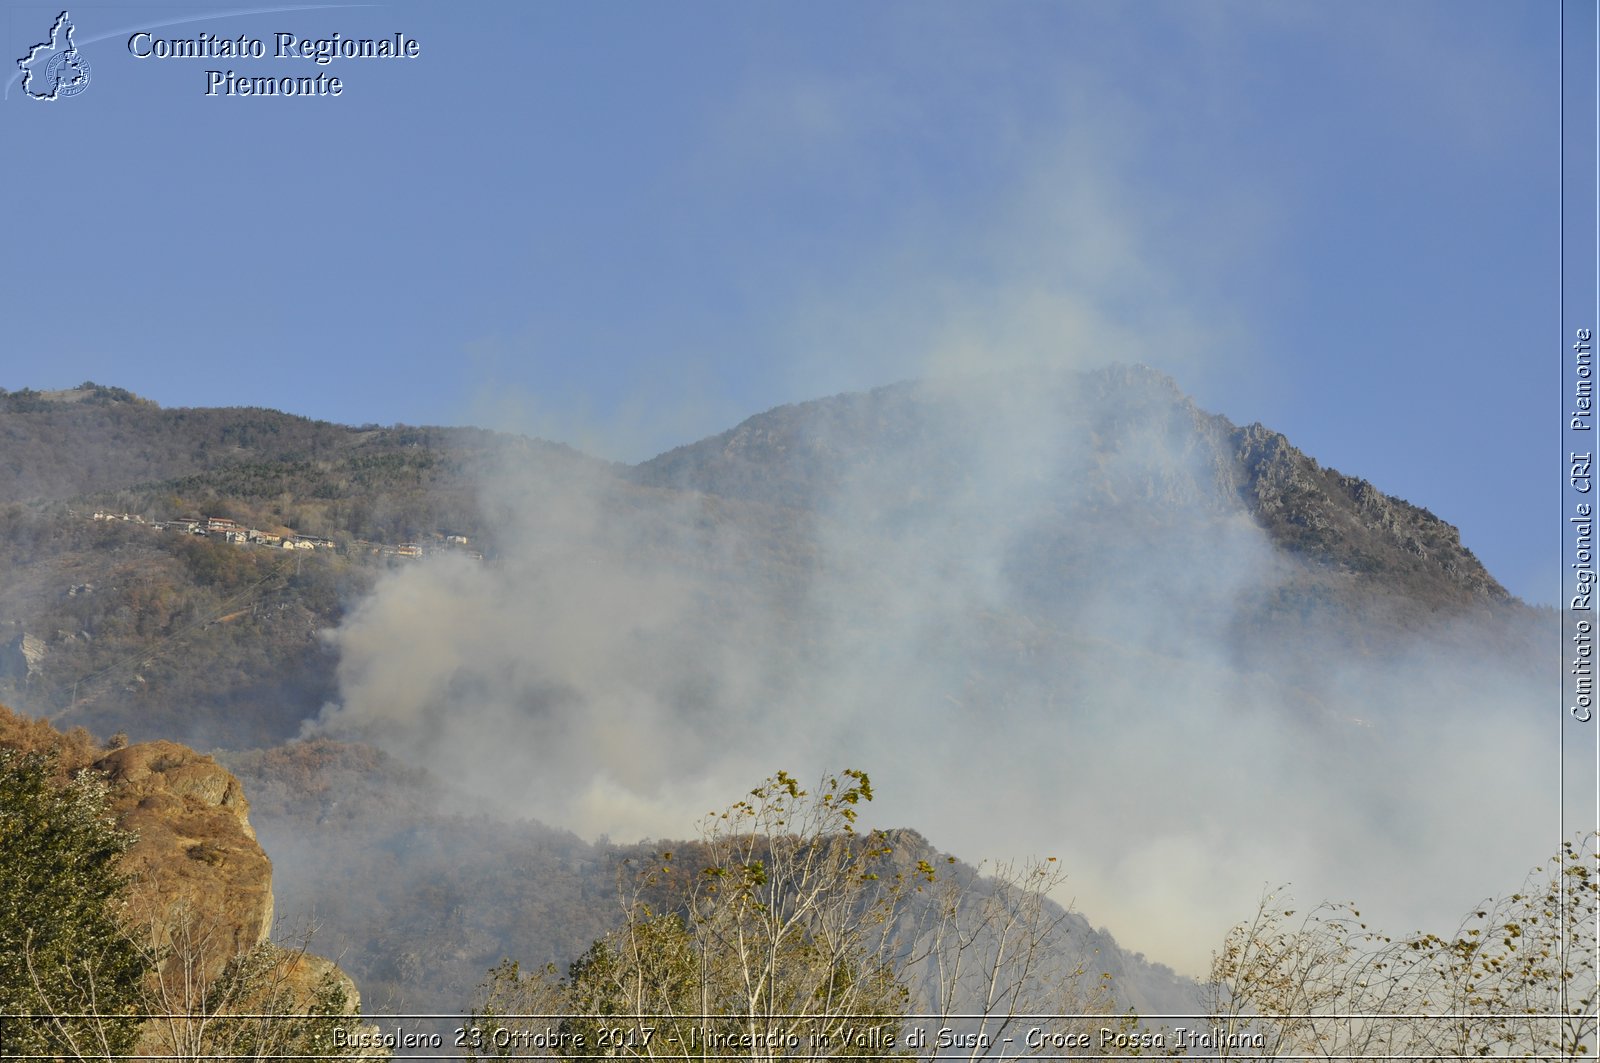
x=232, y=531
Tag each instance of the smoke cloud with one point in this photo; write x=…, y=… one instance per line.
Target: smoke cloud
x=1025, y=602
x=1018, y=606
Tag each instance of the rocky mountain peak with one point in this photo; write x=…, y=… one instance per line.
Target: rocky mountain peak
x=1347, y=523
x=1130, y=443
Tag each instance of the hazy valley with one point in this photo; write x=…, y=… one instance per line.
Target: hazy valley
x=1071, y=615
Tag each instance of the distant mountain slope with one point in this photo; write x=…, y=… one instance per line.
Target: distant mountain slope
x=121, y=626
x=1106, y=510
x=477, y=889
x=800, y=455
x=952, y=568
x=1105, y=473
x=165, y=634
x=65, y=444
x=105, y=445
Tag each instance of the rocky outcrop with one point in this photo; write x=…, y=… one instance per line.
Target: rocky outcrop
x=1344, y=521
x=19, y=658
x=197, y=866
x=200, y=885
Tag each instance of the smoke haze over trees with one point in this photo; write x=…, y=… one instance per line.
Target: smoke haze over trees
x=1177, y=653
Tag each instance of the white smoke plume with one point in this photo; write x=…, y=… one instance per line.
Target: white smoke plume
x=638, y=656
x=954, y=610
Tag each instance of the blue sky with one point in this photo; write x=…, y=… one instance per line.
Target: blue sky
x=631, y=225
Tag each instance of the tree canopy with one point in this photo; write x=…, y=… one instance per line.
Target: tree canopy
x=789, y=931
x=1517, y=976
x=64, y=951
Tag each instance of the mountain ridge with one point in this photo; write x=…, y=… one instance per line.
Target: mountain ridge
x=785, y=455
x=1317, y=513
x=1129, y=547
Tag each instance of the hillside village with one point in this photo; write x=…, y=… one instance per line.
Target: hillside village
x=228, y=530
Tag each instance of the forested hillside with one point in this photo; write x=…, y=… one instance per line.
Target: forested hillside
x=439, y=652
x=123, y=626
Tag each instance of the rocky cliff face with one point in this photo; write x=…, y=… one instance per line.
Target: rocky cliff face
x=1347, y=522
x=19, y=658
x=198, y=868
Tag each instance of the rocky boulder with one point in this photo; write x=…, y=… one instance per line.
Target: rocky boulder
x=200, y=885
x=197, y=867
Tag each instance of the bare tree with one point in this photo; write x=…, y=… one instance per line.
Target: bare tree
x=198, y=1002
x=1517, y=977
x=787, y=932
x=267, y=1002
x=990, y=963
